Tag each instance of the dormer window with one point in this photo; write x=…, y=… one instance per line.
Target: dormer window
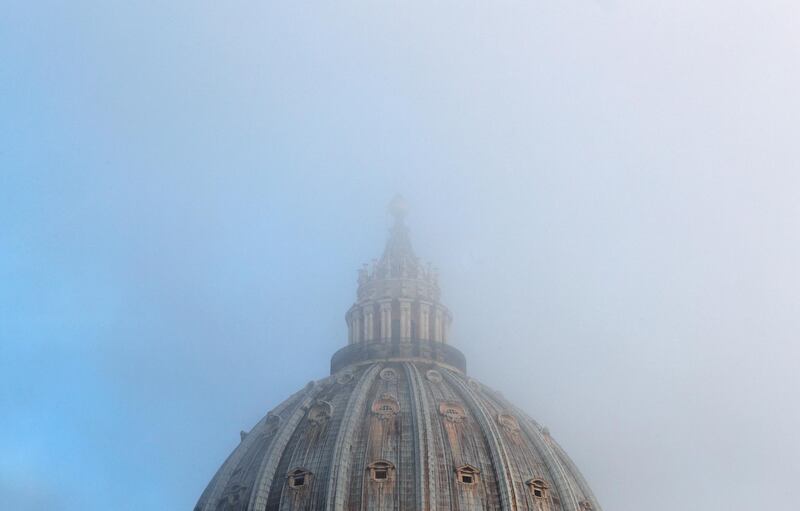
x=467, y=474
x=381, y=470
x=538, y=488
x=298, y=478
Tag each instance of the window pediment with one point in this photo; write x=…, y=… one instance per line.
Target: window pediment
x=467, y=474
x=381, y=470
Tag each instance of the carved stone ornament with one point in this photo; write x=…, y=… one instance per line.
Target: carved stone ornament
x=319, y=413
x=344, y=378
x=232, y=497
x=386, y=407
x=509, y=422
x=586, y=505
x=434, y=376
x=388, y=374
x=271, y=424
x=452, y=412
x=474, y=385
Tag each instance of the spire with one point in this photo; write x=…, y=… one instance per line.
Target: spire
x=398, y=259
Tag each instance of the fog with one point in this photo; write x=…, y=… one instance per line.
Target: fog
x=609, y=189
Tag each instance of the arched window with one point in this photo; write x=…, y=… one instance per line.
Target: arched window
x=299, y=477
x=467, y=474
x=381, y=470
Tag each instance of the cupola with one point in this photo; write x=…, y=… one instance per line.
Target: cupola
x=398, y=296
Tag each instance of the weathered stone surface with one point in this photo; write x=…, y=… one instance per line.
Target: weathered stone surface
x=426, y=430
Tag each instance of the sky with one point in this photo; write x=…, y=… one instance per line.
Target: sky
x=609, y=188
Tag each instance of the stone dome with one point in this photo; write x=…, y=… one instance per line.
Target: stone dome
x=398, y=425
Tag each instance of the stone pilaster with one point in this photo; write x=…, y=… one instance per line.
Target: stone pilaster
x=405, y=319
x=385, y=307
x=438, y=325
x=369, y=322
x=356, y=327
x=424, y=320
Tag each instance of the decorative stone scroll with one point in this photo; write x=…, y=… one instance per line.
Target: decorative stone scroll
x=509, y=422
x=319, y=413
x=434, y=376
x=388, y=374
x=344, y=377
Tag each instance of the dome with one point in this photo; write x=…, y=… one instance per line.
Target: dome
x=398, y=424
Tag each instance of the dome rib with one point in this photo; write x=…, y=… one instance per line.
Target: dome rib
x=500, y=461
x=269, y=465
x=210, y=498
x=426, y=498
x=338, y=479
x=587, y=492
x=425, y=442
x=561, y=481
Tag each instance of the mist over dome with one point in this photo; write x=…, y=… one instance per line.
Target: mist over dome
x=398, y=424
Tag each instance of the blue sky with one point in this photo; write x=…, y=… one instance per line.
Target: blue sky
x=609, y=188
